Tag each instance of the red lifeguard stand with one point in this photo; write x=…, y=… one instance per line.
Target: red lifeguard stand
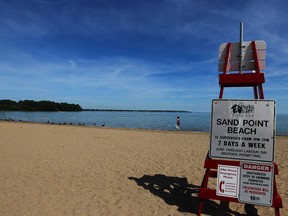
x=240, y=65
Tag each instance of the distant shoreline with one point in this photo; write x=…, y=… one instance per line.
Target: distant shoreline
x=128, y=110
x=101, y=110
x=31, y=105
x=52, y=106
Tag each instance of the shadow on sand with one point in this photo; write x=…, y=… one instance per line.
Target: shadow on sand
x=177, y=191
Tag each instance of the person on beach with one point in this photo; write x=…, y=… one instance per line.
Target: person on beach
x=177, y=123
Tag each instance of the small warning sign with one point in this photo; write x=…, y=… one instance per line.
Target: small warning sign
x=256, y=183
x=228, y=181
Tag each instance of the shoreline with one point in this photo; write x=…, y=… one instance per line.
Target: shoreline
x=198, y=122
x=107, y=127
x=75, y=170
x=100, y=127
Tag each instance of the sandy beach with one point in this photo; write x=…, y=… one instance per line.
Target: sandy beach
x=72, y=170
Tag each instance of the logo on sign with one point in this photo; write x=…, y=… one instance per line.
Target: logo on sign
x=243, y=109
x=252, y=198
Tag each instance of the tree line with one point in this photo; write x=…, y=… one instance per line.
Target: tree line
x=31, y=105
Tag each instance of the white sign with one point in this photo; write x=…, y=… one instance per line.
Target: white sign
x=228, y=181
x=243, y=129
x=256, y=183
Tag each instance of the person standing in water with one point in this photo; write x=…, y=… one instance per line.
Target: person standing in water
x=177, y=123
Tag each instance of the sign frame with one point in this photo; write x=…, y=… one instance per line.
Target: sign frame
x=243, y=129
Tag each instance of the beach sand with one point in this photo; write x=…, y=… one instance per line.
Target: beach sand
x=72, y=170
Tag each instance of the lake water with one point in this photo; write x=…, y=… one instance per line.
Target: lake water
x=197, y=121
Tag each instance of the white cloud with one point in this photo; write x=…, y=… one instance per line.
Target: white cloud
x=182, y=37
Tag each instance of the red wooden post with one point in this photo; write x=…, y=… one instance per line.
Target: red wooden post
x=255, y=92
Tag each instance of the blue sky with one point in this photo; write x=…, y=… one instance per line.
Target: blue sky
x=129, y=54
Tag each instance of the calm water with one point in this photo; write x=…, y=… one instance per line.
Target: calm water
x=198, y=121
